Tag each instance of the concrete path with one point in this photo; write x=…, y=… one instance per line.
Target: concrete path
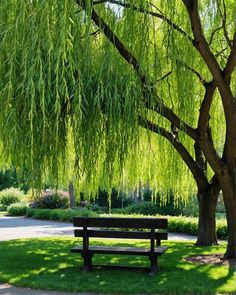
x=22, y=227
x=6, y=289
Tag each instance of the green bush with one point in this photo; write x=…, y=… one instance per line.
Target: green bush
x=59, y=214
x=17, y=209
x=183, y=224
x=52, y=200
x=10, y=196
x=178, y=224
x=148, y=208
x=145, y=208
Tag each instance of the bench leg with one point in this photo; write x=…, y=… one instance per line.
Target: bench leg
x=87, y=263
x=154, y=266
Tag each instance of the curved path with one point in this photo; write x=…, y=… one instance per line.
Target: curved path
x=22, y=227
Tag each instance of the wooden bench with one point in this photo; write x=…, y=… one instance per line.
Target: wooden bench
x=121, y=228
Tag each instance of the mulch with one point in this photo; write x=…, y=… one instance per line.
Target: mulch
x=215, y=259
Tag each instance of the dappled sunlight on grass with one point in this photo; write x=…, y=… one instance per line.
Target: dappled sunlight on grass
x=48, y=263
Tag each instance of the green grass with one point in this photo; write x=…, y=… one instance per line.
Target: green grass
x=48, y=264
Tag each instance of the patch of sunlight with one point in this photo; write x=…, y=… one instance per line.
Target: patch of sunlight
x=189, y=266
x=53, y=270
x=39, y=251
x=162, y=281
x=64, y=265
x=19, y=277
x=137, y=261
x=114, y=259
x=102, y=283
x=38, y=271
x=219, y=273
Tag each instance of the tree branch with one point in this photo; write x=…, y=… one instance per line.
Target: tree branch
x=165, y=76
x=199, y=177
x=200, y=42
x=231, y=63
x=152, y=13
x=203, y=120
x=224, y=20
x=158, y=107
x=222, y=84
x=166, y=112
x=195, y=72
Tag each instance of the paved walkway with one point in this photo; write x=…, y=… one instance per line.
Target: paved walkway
x=6, y=289
x=21, y=227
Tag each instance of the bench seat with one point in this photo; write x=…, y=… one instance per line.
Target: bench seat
x=120, y=250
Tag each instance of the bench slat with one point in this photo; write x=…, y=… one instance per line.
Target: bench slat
x=120, y=234
x=121, y=250
x=160, y=223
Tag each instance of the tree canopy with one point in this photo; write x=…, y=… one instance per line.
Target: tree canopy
x=79, y=77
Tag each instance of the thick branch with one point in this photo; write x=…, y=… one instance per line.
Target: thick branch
x=231, y=63
x=224, y=17
x=113, y=38
x=152, y=13
x=222, y=84
x=203, y=120
x=166, y=112
x=158, y=107
x=200, y=42
x=180, y=148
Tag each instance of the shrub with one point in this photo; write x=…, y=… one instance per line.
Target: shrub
x=10, y=196
x=17, y=209
x=145, y=208
x=59, y=214
x=8, y=178
x=184, y=224
x=52, y=200
x=148, y=208
x=178, y=224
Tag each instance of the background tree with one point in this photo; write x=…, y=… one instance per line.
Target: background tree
x=103, y=68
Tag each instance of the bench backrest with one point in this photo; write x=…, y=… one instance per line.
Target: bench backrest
x=117, y=222
x=94, y=227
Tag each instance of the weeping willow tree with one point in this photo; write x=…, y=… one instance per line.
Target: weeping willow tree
x=143, y=89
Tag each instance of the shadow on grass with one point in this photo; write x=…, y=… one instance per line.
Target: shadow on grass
x=48, y=264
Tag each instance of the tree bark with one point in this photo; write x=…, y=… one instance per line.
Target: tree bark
x=71, y=194
x=207, y=201
x=229, y=196
x=207, y=222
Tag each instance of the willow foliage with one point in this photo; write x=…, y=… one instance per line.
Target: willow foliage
x=60, y=78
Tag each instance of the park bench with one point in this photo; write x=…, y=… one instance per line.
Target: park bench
x=121, y=228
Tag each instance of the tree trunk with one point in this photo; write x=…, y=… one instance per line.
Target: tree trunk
x=207, y=222
x=230, y=207
x=207, y=200
x=71, y=194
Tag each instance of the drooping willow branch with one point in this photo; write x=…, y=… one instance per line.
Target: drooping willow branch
x=158, y=106
x=152, y=13
x=227, y=97
x=180, y=148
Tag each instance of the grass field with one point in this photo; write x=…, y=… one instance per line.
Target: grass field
x=48, y=264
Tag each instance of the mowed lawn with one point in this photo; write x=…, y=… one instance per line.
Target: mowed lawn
x=47, y=263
